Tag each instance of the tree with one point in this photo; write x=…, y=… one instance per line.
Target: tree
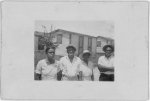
x=46, y=40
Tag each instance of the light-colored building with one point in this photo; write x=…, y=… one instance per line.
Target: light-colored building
x=101, y=42
x=63, y=38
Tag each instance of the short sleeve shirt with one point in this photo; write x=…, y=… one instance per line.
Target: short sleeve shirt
x=108, y=62
x=70, y=68
x=48, y=71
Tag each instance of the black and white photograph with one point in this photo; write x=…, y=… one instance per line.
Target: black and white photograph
x=74, y=50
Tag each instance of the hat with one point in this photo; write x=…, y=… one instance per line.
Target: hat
x=86, y=52
x=106, y=46
x=71, y=46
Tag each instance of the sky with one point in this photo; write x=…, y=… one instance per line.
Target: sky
x=93, y=28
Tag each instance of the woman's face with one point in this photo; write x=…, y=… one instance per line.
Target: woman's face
x=51, y=53
x=71, y=52
x=86, y=56
x=108, y=52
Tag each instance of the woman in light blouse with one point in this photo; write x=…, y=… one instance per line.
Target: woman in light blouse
x=47, y=68
x=106, y=64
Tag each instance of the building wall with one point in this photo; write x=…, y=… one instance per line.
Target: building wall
x=103, y=43
x=94, y=45
x=75, y=42
x=61, y=49
x=110, y=42
x=85, y=46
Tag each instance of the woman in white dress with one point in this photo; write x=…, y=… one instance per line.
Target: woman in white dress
x=47, y=68
x=86, y=67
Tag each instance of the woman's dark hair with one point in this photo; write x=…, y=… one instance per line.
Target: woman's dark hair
x=106, y=46
x=47, y=48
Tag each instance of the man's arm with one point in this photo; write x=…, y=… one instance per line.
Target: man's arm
x=80, y=76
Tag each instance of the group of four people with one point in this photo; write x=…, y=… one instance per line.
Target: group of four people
x=73, y=68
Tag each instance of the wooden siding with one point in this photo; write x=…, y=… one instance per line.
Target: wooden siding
x=94, y=45
x=75, y=42
x=85, y=47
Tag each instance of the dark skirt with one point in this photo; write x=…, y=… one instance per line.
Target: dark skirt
x=106, y=77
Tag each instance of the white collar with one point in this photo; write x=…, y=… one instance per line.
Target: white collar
x=109, y=57
x=74, y=59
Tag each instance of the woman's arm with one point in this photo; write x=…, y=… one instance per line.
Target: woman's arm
x=38, y=71
x=59, y=75
x=80, y=76
x=92, y=76
x=104, y=68
x=37, y=76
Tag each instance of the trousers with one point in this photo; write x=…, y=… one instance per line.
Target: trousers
x=106, y=77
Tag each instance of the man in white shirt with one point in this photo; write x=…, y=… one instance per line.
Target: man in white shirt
x=106, y=64
x=70, y=65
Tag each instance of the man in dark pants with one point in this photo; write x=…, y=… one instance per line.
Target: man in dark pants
x=106, y=64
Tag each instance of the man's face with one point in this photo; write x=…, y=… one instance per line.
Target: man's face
x=51, y=53
x=70, y=52
x=108, y=52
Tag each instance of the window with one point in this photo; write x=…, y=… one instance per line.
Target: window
x=59, y=38
x=90, y=44
x=40, y=43
x=98, y=43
